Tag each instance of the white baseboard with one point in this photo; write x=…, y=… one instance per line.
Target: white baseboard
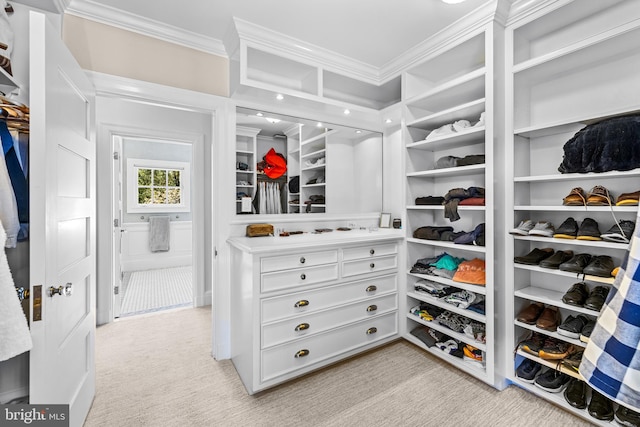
x=154, y=262
x=9, y=395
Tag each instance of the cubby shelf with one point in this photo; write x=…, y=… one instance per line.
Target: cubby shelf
x=450, y=332
x=449, y=307
x=478, y=289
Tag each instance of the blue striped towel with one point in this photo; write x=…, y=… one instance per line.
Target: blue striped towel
x=611, y=361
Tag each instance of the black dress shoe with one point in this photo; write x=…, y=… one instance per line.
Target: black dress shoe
x=576, y=393
x=627, y=417
x=600, y=265
x=596, y=298
x=600, y=407
x=589, y=230
x=534, y=257
x=567, y=230
x=576, y=295
x=576, y=264
x=556, y=259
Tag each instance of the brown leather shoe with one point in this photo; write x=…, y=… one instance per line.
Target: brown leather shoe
x=575, y=198
x=549, y=319
x=628, y=199
x=530, y=314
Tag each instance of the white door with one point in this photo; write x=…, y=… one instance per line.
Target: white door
x=62, y=224
x=118, y=230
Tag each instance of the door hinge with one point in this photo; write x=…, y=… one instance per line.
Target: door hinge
x=116, y=290
x=116, y=223
x=116, y=155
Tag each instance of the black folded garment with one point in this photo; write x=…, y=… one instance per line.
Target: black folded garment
x=472, y=159
x=430, y=200
x=430, y=232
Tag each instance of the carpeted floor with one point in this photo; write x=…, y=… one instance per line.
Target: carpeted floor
x=152, y=290
x=156, y=370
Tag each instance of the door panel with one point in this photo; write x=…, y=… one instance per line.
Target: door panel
x=62, y=222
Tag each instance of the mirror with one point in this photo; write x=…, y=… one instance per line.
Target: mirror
x=329, y=168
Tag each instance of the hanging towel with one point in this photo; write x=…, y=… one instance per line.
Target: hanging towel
x=159, y=233
x=611, y=360
x=15, y=337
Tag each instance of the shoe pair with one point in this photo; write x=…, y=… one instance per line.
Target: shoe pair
x=529, y=228
x=579, y=296
x=552, y=381
x=534, y=257
x=588, y=230
x=546, y=318
x=597, y=196
x=598, y=265
x=547, y=347
x=572, y=326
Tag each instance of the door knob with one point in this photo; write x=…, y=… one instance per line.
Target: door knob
x=65, y=290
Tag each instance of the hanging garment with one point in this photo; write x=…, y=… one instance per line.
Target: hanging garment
x=15, y=337
x=18, y=180
x=611, y=360
x=8, y=209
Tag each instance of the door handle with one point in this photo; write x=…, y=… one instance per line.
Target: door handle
x=65, y=290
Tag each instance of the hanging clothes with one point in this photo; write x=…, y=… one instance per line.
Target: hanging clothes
x=16, y=172
x=611, y=360
x=268, y=199
x=8, y=209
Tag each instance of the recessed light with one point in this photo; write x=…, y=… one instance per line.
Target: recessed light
x=259, y=114
x=319, y=124
x=272, y=120
x=279, y=97
x=388, y=121
x=347, y=112
x=358, y=131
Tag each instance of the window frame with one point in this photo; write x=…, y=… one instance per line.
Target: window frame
x=133, y=165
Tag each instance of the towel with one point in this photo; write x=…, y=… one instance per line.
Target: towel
x=15, y=337
x=159, y=233
x=611, y=360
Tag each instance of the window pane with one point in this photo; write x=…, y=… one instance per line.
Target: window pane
x=173, y=196
x=174, y=178
x=160, y=177
x=159, y=196
x=144, y=196
x=144, y=176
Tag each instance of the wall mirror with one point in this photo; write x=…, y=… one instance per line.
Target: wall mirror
x=329, y=168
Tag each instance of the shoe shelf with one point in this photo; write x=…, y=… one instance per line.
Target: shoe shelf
x=312, y=185
x=574, y=242
x=477, y=289
x=579, y=277
x=311, y=168
x=440, y=208
x=451, y=245
x=551, y=297
x=471, y=109
x=467, y=137
x=455, y=171
x=578, y=176
x=449, y=307
x=450, y=332
x=314, y=154
x=556, y=335
x=583, y=209
x=554, y=364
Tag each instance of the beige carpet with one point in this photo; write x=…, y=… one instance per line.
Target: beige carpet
x=156, y=370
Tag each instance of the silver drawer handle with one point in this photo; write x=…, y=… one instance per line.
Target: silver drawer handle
x=302, y=327
x=302, y=260
x=301, y=353
x=372, y=330
x=301, y=303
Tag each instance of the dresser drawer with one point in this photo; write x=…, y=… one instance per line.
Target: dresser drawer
x=310, y=301
x=353, y=268
x=287, y=262
x=364, y=252
x=287, y=358
x=300, y=277
x=313, y=323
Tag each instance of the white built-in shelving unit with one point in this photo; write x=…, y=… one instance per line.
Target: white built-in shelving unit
x=246, y=138
x=569, y=64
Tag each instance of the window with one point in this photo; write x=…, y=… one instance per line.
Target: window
x=158, y=186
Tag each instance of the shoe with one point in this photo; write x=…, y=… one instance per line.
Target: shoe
x=620, y=232
x=599, y=196
x=523, y=228
x=534, y=257
x=531, y=313
x=552, y=381
x=576, y=264
x=555, y=349
x=528, y=370
x=589, y=230
x=567, y=230
x=576, y=393
x=585, y=334
x=600, y=407
x=533, y=344
x=572, y=326
x=573, y=361
x=600, y=265
x=472, y=354
x=626, y=417
x=596, y=298
x=544, y=229
x=628, y=199
x=575, y=198
x=576, y=295
x=556, y=259
x=549, y=319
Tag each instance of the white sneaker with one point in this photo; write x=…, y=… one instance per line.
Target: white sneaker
x=523, y=228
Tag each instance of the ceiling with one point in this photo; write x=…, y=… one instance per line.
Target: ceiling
x=374, y=32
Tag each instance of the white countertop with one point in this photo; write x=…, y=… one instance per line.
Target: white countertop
x=311, y=240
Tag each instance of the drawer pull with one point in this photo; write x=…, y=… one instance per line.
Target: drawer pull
x=372, y=252
x=303, y=276
x=372, y=265
x=372, y=307
x=302, y=327
x=301, y=303
x=371, y=288
x=302, y=260
x=372, y=330
x=301, y=353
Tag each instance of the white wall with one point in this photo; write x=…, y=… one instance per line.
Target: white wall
x=135, y=247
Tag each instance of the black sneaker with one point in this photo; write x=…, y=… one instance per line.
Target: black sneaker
x=597, y=297
x=528, y=370
x=626, y=417
x=533, y=344
x=600, y=265
x=552, y=381
x=576, y=393
x=586, y=331
x=600, y=407
x=620, y=232
x=589, y=230
x=567, y=230
x=572, y=326
x=576, y=264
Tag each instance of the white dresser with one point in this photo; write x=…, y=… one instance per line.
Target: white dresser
x=301, y=302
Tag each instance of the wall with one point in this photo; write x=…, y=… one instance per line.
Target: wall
x=135, y=247
x=106, y=49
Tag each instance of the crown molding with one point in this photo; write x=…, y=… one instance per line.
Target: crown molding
x=88, y=9
x=523, y=9
x=55, y=6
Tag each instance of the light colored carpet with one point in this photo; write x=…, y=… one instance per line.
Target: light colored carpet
x=156, y=370
x=152, y=290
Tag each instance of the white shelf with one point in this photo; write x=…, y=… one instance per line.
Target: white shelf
x=556, y=335
x=467, y=137
x=449, y=307
x=310, y=168
x=478, y=289
x=578, y=176
x=244, y=152
x=583, y=209
x=451, y=245
x=574, y=242
x=450, y=332
x=313, y=185
x=314, y=154
x=458, y=91
x=247, y=172
x=551, y=364
x=603, y=280
x=551, y=297
x=440, y=207
x=455, y=171
x=468, y=111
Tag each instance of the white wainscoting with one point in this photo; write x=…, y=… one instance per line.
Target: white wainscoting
x=135, y=247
